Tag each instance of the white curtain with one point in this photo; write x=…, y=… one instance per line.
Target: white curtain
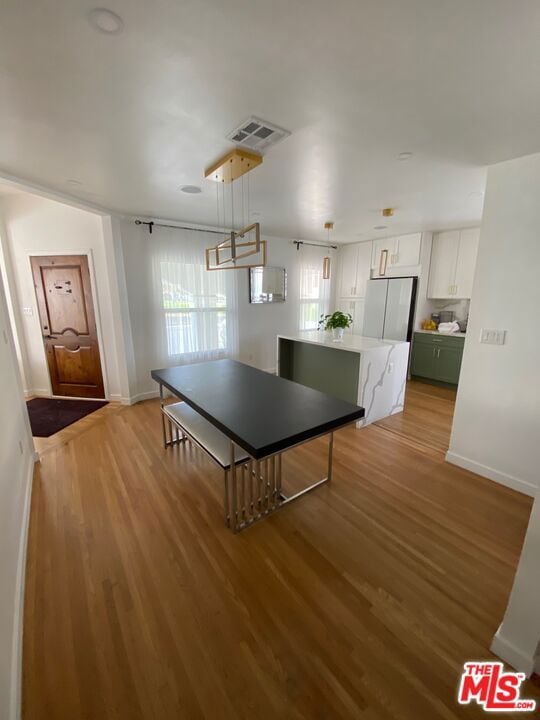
x=195, y=310
x=314, y=291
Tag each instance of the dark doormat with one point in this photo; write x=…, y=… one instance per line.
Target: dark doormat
x=48, y=416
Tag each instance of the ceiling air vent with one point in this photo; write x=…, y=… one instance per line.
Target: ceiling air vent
x=257, y=134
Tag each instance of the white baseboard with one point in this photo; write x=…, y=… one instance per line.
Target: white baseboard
x=512, y=655
x=37, y=393
x=149, y=395
x=510, y=481
x=16, y=655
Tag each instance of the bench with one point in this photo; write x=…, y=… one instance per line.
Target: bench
x=184, y=423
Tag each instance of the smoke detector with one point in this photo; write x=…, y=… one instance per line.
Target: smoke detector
x=257, y=134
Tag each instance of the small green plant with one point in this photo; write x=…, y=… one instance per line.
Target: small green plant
x=337, y=319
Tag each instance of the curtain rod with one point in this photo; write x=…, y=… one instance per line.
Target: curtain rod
x=302, y=242
x=151, y=225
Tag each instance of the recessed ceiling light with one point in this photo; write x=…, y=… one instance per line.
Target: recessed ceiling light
x=191, y=189
x=405, y=156
x=106, y=21
x=380, y=227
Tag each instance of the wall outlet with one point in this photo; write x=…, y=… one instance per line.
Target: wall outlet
x=493, y=337
x=28, y=311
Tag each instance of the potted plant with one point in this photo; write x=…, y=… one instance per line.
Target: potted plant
x=336, y=322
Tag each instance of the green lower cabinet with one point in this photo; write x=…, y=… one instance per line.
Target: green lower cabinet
x=448, y=364
x=437, y=358
x=423, y=360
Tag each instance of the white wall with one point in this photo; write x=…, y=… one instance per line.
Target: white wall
x=496, y=428
x=16, y=466
x=258, y=325
x=518, y=639
x=36, y=225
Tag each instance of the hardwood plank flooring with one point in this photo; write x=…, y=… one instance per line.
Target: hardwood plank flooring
x=362, y=600
x=427, y=418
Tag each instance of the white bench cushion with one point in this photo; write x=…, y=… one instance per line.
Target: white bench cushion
x=216, y=444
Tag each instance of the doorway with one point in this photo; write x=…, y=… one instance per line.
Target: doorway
x=68, y=325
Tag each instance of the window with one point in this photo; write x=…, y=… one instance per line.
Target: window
x=196, y=316
x=314, y=290
x=196, y=313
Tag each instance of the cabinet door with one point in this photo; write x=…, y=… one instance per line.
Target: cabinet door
x=363, y=266
x=448, y=364
x=423, y=359
x=380, y=264
x=348, y=255
x=356, y=309
x=406, y=251
x=442, y=270
x=466, y=262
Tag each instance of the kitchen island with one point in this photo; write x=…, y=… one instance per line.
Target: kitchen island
x=369, y=372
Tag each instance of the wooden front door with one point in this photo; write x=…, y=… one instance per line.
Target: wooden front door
x=68, y=325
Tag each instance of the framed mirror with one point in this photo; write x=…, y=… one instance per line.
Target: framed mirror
x=267, y=284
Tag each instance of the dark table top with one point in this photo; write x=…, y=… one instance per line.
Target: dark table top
x=262, y=413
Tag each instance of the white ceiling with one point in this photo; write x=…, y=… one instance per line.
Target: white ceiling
x=135, y=116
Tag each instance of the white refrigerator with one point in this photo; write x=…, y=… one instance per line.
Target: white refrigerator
x=389, y=308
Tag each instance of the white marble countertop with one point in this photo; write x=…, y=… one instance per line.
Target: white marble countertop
x=351, y=343
x=436, y=332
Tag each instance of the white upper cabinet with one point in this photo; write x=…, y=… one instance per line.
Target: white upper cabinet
x=363, y=265
x=453, y=260
x=348, y=255
x=354, y=266
x=407, y=250
x=392, y=254
x=466, y=262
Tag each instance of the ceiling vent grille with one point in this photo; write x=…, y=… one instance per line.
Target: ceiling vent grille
x=257, y=134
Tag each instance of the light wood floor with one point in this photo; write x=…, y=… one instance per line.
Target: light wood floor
x=362, y=600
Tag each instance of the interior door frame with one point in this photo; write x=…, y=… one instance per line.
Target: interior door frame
x=93, y=288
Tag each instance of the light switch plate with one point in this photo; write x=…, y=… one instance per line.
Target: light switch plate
x=493, y=337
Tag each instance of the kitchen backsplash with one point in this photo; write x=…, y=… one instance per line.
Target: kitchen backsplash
x=459, y=307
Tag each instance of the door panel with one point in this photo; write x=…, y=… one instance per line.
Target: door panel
x=398, y=309
x=347, y=270
x=68, y=325
x=442, y=270
x=423, y=359
x=363, y=266
x=407, y=250
x=466, y=262
x=379, y=246
x=375, y=308
x=448, y=364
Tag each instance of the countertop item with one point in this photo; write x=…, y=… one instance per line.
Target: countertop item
x=350, y=342
x=436, y=332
